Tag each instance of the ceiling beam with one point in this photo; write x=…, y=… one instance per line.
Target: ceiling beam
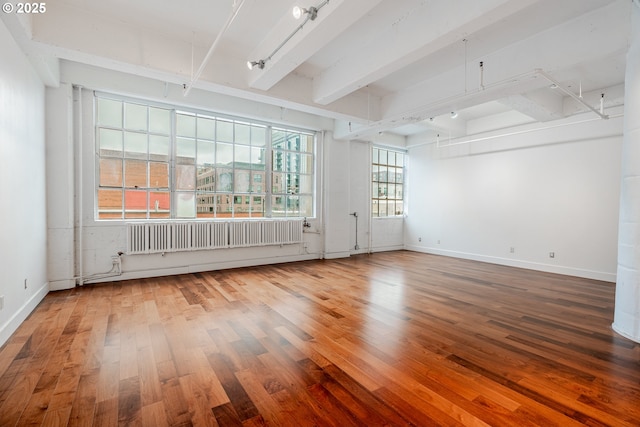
x=423, y=29
x=335, y=17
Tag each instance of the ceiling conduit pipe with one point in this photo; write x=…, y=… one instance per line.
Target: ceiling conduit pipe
x=237, y=5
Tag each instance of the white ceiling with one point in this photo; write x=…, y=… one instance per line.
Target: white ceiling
x=398, y=66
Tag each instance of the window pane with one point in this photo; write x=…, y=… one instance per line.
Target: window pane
x=135, y=117
x=293, y=142
x=240, y=207
x=391, y=191
x=109, y=204
x=293, y=206
x=110, y=142
x=158, y=147
x=206, y=128
x=306, y=206
x=158, y=175
x=257, y=158
x=206, y=153
x=110, y=173
x=135, y=204
x=306, y=184
x=242, y=181
x=306, y=143
x=224, y=154
x=278, y=206
x=243, y=134
x=159, y=204
x=306, y=163
x=185, y=177
x=399, y=176
x=382, y=190
x=374, y=208
x=375, y=157
x=277, y=163
x=293, y=162
x=391, y=158
x=224, y=178
x=257, y=206
x=278, y=137
x=185, y=205
x=159, y=120
x=135, y=174
x=205, y=205
x=135, y=145
x=185, y=125
x=258, y=136
x=242, y=155
x=109, y=113
x=225, y=131
x=185, y=151
x=206, y=178
x=382, y=204
x=399, y=207
x=278, y=183
x=383, y=174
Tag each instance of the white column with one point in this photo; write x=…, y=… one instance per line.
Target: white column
x=627, y=309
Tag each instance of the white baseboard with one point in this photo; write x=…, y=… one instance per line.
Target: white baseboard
x=387, y=248
x=7, y=329
x=530, y=265
x=223, y=265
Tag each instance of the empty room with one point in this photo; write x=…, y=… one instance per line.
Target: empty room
x=321, y=213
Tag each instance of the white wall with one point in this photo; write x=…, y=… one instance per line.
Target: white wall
x=100, y=240
x=60, y=168
x=23, y=232
x=551, y=190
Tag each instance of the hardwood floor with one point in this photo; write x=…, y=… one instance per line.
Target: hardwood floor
x=394, y=339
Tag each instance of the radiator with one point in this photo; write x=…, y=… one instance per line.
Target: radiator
x=146, y=238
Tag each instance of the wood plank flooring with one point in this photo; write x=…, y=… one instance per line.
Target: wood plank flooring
x=390, y=339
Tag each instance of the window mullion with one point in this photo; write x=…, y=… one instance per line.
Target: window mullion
x=268, y=172
x=172, y=166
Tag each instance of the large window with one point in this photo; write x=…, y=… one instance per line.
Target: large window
x=387, y=179
x=161, y=162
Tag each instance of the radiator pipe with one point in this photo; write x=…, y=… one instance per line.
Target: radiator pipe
x=355, y=214
x=80, y=190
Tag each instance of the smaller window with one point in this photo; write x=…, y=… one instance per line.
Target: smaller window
x=387, y=181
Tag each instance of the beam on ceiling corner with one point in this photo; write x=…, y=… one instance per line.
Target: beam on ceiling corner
x=428, y=28
x=332, y=20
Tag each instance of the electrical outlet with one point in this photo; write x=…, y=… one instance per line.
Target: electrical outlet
x=438, y=241
x=512, y=250
x=1, y=302
x=552, y=254
x=25, y=283
x=419, y=239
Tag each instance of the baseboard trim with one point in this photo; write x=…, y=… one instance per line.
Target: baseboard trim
x=529, y=265
x=223, y=265
x=11, y=325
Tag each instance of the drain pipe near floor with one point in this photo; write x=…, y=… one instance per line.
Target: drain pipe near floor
x=355, y=214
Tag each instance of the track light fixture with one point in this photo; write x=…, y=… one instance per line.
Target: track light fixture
x=259, y=64
x=299, y=11
x=312, y=13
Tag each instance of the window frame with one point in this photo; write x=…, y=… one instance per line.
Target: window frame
x=376, y=166
x=242, y=211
